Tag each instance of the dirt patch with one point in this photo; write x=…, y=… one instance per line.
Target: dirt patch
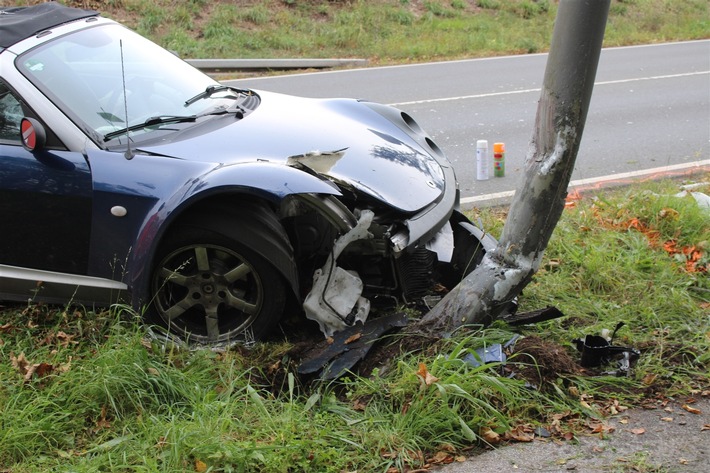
x=540, y=361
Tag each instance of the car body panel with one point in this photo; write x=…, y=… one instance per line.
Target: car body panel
x=50, y=193
x=404, y=175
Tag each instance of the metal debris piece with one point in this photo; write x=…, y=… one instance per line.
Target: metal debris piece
x=334, y=358
x=494, y=353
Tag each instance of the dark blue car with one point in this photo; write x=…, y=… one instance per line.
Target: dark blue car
x=128, y=176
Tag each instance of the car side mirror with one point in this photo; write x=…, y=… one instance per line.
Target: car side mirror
x=33, y=135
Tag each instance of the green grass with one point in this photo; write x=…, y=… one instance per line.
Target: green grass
x=387, y=31
x=105, y=398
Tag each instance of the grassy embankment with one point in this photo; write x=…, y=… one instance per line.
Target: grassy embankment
x=386, y=31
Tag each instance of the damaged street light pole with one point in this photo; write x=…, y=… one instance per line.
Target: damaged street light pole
x=539, y=200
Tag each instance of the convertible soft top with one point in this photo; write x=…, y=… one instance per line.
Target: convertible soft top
x=18, y=23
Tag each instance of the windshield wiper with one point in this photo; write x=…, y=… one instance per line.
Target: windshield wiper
x=152, y=121
x=213, y=89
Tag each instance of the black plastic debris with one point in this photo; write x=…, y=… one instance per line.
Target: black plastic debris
x=334, y=357
x=534, y=316
x=597, y=351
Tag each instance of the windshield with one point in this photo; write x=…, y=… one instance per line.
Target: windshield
x=83, y=73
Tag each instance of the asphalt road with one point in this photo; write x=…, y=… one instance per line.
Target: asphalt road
x=650, y=108
x=665, y=439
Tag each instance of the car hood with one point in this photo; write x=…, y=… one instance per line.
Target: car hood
x=343, y=139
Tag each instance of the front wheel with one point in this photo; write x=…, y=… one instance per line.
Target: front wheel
x=210, y=288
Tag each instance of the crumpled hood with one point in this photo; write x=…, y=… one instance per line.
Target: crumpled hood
x=343, y=139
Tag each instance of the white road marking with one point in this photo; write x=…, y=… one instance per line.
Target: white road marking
x=525, y=91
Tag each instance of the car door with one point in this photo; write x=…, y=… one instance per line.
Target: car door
x=45, y=197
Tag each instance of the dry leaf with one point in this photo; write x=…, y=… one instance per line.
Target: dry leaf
x=427, y=377
x=638, y=431
x=441, y=458
x=691, y=409
x=705, y=427
x=649, y=379
x=200, y=466
x=353, y=338
x=489, y=435
x=667, y=419
x=358, y=405
x=520, y=434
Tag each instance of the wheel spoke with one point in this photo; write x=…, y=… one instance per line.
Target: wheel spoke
x=174, y=277
x=202, y=259
x=237, y=273
x=241, y=304
x=212, y=322
x=178, y=309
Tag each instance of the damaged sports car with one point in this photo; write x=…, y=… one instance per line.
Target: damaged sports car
x=127, y=176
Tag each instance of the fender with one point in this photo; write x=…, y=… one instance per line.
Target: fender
x=126, y=210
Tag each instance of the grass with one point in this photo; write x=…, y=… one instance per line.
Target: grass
x=386, y=31
x=83, y=391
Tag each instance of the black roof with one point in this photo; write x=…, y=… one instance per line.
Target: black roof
x=18, y=23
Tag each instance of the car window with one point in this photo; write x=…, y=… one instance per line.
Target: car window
x=108, y=77
x=10, y=115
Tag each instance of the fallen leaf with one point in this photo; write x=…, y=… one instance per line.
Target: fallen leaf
x=705, y=427
x=442, y=458
x=200, y=466
x=667, y=419
x=43, y=369
x=639, y=431
x=358, y=405
x=668, y=213
x=427, y=377
x=489, y=435
x=649, y=379
x=692, y=410
x=19, y=362
x=353, y=338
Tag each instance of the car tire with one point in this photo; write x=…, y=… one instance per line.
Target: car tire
x=210, y=287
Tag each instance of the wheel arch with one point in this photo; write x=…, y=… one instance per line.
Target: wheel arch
x=229, y=188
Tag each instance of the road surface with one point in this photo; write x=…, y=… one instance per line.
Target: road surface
x=650, y=108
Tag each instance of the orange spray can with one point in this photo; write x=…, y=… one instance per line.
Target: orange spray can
x=498, y=159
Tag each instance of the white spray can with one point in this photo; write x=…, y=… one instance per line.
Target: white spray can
x=482, y=160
